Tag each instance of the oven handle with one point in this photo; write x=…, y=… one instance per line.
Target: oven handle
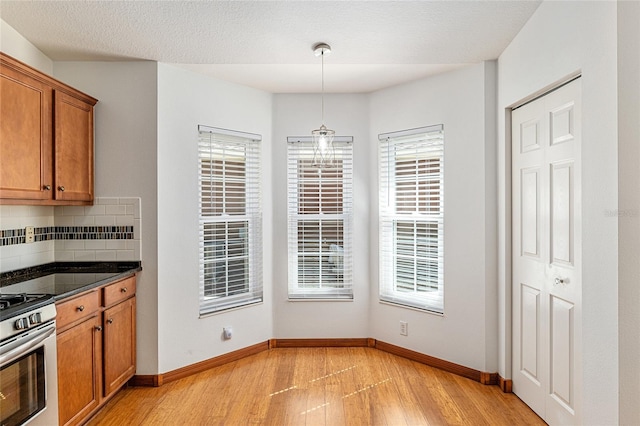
x=9, y=354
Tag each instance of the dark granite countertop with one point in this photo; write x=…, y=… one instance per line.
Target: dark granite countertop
x=65, y=279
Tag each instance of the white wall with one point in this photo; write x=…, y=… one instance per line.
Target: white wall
x=491, y=215
x=297, y=115
x=466, y=334
x=562, y=38
x=629, y=209
x=186, y=99
x=125, y=166
x=14, y=44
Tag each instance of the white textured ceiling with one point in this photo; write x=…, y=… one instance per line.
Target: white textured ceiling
x=268, y=44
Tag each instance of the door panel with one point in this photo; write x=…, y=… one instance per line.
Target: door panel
x=529, y=254
x=530, y=212
x=562, y=213
x=562, y=123
x=530, y=332
x=562, y=351
x=546, y=217
x=531, y=135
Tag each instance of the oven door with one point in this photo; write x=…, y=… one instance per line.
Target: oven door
x=28, y=378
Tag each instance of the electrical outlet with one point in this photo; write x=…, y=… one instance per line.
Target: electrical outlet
x=404, y=328
x=227, y=332
x=30, y=235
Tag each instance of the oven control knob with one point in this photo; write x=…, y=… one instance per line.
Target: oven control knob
x=22, y=323
x=35, y=318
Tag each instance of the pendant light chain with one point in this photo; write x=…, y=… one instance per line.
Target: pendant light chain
x=322, y=96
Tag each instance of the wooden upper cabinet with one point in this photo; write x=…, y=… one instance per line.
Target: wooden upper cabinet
x=73, y=121
x=46, y=138
x=25, y=137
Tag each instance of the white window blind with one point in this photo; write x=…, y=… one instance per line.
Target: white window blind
x=411, y=218
x=230, y=219
x=320, y=222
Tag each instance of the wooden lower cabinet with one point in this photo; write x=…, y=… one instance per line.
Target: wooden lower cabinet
x=119, y=345
x=96, y=348
x=79, y=366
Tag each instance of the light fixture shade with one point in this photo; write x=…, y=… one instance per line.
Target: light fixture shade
x=324, y=154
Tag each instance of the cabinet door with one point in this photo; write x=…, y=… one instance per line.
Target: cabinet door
x=119, y=345
x=73, y=121
x=79, y=363
x=25, y=137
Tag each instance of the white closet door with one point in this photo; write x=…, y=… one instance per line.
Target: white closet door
x=546, y=218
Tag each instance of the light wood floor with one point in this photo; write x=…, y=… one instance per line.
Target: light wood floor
x=318, y=386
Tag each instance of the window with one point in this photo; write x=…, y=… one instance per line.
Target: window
x=411, y=218
x=320, y=216
x=230, y=219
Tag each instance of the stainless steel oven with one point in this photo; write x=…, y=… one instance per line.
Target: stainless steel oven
x=28, y=373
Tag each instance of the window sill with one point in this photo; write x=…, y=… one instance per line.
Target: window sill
x=319, y=299
x=412, y=308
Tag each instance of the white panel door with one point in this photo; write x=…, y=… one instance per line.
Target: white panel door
x=546, y=258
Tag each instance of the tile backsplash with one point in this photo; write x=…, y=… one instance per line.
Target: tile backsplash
x=107, y=231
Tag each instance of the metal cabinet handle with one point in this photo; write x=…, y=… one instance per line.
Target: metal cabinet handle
x=47, y=187
x=61, y=188
x=559, y=281
x=98, y=328
x=123, y=289
x=80, y=308
x=110, y=321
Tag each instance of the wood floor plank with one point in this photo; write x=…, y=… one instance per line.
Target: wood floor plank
x=397, y=390
x=382, y=393
x=266, y=383
x=466, y=410
x=284, y=387
x=318, y=386
x=316, y=368
x=339, y=365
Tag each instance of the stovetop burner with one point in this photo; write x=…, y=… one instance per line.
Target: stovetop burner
x=15, y=304
x=8, y=300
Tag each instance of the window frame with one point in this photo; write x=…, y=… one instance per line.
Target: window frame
x=337, y=257
x=398, y=218
x=229, y=200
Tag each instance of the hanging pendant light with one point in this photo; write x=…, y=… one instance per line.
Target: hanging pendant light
x=323, y=150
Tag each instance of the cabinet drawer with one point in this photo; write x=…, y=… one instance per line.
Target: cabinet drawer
x=119, y=291
x=78, y=308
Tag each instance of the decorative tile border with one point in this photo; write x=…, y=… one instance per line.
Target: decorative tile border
x=94, y=233
x=11, y=236
x=109, y=230
x=17, y=236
